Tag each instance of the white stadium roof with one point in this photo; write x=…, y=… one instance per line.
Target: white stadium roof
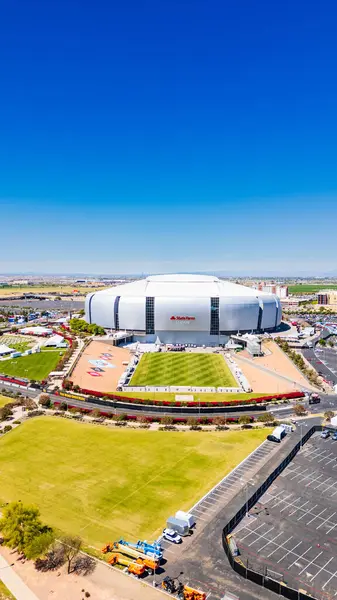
x=195, y=286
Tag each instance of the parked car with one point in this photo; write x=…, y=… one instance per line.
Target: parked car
x=172, y=536
x=325, y=434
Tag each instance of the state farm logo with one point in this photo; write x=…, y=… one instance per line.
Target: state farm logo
x=173, y=318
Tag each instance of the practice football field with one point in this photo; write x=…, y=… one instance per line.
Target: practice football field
x=104, y=483
x=34, y=366
x=173, y=368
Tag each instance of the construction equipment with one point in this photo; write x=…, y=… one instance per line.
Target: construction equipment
x=154, y=550
x=183, y=592
x=117, y=547
x=133, y=567
x=129, y=555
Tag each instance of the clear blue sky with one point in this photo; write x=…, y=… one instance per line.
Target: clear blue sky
x=164, y=135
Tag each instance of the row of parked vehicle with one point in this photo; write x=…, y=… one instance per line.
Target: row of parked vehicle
x=326, y=434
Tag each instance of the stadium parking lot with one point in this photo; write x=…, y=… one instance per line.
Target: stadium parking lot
x=291, y=533
x=214, y=501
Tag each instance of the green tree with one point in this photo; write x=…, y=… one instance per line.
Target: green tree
x=44, y=400
x=39, y=545
x=328, y=415
x=71, y=547
x=299, y=410
x=21, y=525
x=322, y=342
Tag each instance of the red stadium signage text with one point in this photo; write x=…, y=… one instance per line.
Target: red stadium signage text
x=173, y=318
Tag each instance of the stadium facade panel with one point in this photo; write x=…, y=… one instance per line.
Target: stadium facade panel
x=183, y=309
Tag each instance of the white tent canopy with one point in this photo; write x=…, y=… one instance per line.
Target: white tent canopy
x=5, y=350
x=55, y=340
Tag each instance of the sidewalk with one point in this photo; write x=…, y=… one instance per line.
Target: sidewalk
x=15, y=585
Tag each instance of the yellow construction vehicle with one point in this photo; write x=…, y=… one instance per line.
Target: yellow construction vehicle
x=117, y=547
x=133, y=567
x=183, y=592
x=150, y=564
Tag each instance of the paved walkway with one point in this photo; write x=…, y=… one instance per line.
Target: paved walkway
x=15, y=585
x=269, y=371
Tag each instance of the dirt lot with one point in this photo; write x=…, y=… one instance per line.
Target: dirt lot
x=100, y=367
x=278, y=365
x=105, y=583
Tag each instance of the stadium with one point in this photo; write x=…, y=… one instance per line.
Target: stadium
x=180, y=309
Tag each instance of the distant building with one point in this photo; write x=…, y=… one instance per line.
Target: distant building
x=273, y=288
x=327, y=297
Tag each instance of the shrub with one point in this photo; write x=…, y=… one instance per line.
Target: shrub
x=122, y=417
x=166, y=420
x=44, y=400
x=16, y=422
x=7, y=428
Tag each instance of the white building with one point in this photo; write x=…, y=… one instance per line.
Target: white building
x=196, y=309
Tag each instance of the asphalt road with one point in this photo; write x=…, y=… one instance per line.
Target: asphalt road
x=324, y=362
x=328, y=402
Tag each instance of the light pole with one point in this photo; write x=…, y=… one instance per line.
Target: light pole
x=247, y=484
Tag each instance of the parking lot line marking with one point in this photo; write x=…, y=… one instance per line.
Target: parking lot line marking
x=278, y=547
x=322, y=569
x=298, y=507
x=251, y=531
x=299, y=557
x=285, y=507
x=289, y=551
x=322, y=483
x=307, y=512
x=326, y=583
x=324, y=457
x=270, y=541
x=310, y=563
x=264, y=536
x=316, y=516
x=298, y=474
x=325, y=520
x=312, y=480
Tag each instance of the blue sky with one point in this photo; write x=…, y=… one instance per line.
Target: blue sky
x=168, y=135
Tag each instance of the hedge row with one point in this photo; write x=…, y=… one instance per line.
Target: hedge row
x=151, y=419
x=130, y=400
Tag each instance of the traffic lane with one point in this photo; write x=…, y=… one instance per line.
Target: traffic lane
x=131, y=408
x=318, y=365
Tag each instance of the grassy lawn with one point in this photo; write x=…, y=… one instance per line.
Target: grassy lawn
x=310, y=288
x=16, y=342
x=53, y=289
x=102, y=483
x=4, y=400
x=203, y=397
x=170, y=368
x=34, y=366
x=5, y=593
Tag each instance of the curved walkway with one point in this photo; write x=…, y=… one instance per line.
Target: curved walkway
x=13, y=582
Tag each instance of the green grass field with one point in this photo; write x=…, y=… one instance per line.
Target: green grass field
x=16, y=342
x=34, y=366
x=5, y=593
x=202, y=396
x=171, y=368
x=103, y=483
x=4, y=400
x=310, y=288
